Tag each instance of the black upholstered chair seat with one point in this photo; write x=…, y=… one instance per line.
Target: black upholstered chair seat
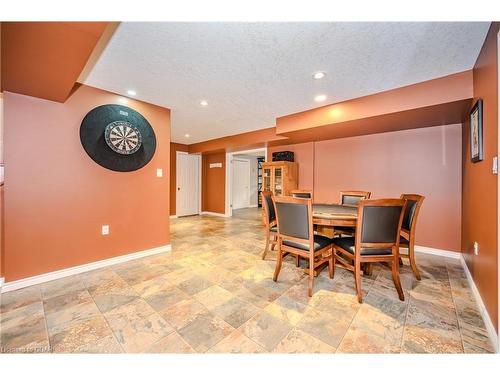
x=347, y=243
x=320, y=242
x=403, y=241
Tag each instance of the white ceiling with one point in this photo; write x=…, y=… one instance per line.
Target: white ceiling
x=251, y=73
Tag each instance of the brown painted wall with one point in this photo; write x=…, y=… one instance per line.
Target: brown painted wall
x=426, y=161
x=174, y=147
x=480, y=185
x=44, y=59
x=213, y=183
x=57, y=198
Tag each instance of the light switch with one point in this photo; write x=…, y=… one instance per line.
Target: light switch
x=476, y=248
x=495, y=165
x=159, y=172
x=105, y=230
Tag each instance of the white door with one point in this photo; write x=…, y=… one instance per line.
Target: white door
x=241, y=183
x=188, y=184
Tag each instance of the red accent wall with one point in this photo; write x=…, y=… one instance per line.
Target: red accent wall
x=213, y=183
x=425, y=161
x=57, y=197
x=480, y=185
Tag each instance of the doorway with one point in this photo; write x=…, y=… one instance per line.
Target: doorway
x=242, y=179
x=188, y=184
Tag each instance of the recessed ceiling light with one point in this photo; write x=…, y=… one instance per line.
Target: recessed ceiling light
x=187, y=135
x=131, y=92
x=203, y=103
x=320, y=98
x=319, y=75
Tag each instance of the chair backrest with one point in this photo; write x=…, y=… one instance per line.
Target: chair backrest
x=413, y=204
x=294, y=219
x=352, y=198
x=267, y=202
x=307, y=194
x=379, y=223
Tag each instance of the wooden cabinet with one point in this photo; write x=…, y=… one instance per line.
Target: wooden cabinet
x=280, y=177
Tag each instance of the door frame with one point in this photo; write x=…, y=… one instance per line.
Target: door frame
x=498, y=190
x=229, y=176
x=177, y=179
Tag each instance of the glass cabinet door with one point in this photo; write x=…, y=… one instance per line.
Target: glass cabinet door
x=266, y=179
x=278, y=181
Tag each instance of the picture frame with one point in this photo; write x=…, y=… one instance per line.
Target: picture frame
x=476, y=132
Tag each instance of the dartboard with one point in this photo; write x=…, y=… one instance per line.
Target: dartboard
x=122, y=137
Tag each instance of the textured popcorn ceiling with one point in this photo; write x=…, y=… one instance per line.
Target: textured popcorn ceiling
x=251, y=73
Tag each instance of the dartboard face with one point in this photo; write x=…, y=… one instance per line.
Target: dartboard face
x=122, y=137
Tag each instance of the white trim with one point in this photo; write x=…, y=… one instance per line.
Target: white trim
x=492, y=333
x=29, y=281
x=210, y=213
x=438, y=252
x=173, y=216
x=2, y=281
x=253, y=206
x=243, y=160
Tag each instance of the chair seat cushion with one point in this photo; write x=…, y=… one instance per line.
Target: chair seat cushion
x=320, y=242
x=273, y=229
x=403, y=241
x=347, y=243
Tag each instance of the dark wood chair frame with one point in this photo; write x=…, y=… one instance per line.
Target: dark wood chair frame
x=315, y=258
x=353, y=262
x=271, y=237
x=410, y=234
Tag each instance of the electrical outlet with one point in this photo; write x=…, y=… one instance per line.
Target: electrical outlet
x=476, y=248
x=159, y=172
x=105, y=230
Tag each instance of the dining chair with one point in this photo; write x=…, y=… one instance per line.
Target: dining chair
x=301, y=194
x=269, y=222
x=377, y=240
x=408, y=228
x=296, y=236
x=350, y=198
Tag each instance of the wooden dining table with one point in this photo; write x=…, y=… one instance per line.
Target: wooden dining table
x=335, y=215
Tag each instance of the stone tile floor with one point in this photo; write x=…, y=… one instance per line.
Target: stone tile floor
x=213, y=293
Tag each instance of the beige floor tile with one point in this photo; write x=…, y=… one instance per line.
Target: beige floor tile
x=298, y=341
x=213, y=296
x=173, y=343
x=266, y=330
x=205, y=331
x=183, y=313
x=237, y=342
x=19, y=298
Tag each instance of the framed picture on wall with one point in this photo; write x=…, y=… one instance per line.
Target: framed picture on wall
x=476, y=132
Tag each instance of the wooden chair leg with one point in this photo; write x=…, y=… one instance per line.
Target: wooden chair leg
x=267, y=245
x=400, y=261
x=397, y=281
x=331, y=265
x=279, y=260
x=357, y=278
x=368, y=269
x=413, y=263
x=311, y=275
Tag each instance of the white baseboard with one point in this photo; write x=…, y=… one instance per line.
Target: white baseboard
x=213, y=214
x=43, y=278
x=492, y=333
x=2, y=281
x=173, y=216
x=253, y=206
x=438, y=252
